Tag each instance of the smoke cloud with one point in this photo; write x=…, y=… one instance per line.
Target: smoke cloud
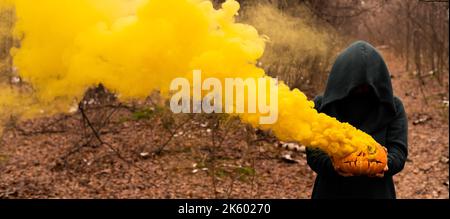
x=133, y=47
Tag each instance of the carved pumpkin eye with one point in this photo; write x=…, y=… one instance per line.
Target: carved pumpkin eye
x=371, y=150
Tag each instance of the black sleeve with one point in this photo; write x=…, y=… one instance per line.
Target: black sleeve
x=319, y=162
x=397, y=140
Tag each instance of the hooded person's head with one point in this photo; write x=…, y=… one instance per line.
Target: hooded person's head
x=359, y=89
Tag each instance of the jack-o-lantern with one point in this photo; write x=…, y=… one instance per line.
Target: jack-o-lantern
x=369, y=163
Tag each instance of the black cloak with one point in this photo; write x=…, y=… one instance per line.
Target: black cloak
x=378, y=113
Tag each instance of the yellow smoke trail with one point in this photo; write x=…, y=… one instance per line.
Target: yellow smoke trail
x=134, y=47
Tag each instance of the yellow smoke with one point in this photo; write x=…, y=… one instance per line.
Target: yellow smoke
x=291, y=38
x=134, y=47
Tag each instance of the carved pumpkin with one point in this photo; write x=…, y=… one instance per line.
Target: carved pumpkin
x=369, y=163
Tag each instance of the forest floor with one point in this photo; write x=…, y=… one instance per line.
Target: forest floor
x=149, y=153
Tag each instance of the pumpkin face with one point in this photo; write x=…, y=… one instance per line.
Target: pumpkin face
x=363, y=163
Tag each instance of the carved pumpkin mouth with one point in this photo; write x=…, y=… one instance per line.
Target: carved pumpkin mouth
x=369, y=162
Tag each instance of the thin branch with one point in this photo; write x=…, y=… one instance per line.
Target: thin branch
x=97, y=136
x=160, y=149
x=45, y=129
x=212, y=157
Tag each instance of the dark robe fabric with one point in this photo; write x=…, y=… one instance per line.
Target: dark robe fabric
x=377, y=112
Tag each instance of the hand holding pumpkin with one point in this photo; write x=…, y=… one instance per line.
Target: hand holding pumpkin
x=362, y=163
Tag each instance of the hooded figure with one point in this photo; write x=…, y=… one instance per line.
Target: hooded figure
x=359, y=92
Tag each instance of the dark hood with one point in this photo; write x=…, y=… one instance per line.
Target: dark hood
x=360, y=64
